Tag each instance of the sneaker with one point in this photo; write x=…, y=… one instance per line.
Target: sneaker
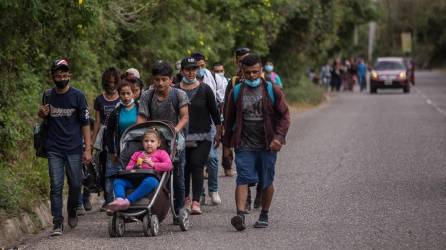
x=118, y=204
x=261, y=224
x=80, y=211
x=215, y=198
x=238, y=222
x=229, y=172
x=57, y=230
x=72, y=221
x=195, y=210
x=87, y=205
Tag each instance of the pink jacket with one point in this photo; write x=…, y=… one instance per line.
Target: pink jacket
x=160, y=158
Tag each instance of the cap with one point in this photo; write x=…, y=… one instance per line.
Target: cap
x=59, y=64
x=133, y=71
x=242, y=51
x=188, y=62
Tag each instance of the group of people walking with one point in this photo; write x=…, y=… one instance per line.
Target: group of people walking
x=248, y=113
x=344, y=74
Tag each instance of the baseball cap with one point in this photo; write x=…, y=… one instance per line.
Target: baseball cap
x=189, y=62
x=133, y=71
x=59, y=64
x=242, y=51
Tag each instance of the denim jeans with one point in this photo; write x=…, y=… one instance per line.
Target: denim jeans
x=83, y=196
x=255, y=167
x=58, y=165
x=178, y=181
x=212, y=165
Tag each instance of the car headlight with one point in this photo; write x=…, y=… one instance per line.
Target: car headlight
x=402, y=75
x=374, y=75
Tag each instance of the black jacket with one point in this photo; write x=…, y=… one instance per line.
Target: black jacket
x=111, y=135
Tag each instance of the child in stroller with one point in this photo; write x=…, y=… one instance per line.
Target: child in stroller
x=150, y=158
x=149, y=170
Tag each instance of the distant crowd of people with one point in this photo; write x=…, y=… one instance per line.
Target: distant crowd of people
x=341, y=74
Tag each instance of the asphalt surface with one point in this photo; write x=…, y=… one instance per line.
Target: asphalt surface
x=361, y=172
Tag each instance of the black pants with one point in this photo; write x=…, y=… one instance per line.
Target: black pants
x=196, y=158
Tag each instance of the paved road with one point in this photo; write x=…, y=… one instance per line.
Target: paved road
x=361, y=172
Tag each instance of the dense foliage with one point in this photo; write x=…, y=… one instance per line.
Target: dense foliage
x=95, y=34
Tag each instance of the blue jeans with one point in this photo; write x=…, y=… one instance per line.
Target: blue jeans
x=58, y=165
x=179, y=188
x=83, y=196
x=212, y=165
x=255, y=166
x=144, y=188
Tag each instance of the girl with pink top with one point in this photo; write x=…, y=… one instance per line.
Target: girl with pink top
x=150, y=158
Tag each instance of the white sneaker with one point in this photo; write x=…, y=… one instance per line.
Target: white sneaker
x=215, y=198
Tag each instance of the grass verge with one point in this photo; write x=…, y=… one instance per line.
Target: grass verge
x=305, y=95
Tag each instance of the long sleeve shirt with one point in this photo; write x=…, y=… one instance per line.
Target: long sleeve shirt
x=160, y=158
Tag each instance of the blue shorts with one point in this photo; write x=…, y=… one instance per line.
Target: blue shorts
x=255, y=166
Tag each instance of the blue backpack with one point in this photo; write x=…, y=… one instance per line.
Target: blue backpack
x=269, y=89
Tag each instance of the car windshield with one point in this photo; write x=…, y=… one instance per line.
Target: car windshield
x=389, y=65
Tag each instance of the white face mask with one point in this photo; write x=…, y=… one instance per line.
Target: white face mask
x=127, y=105
x=222, y=74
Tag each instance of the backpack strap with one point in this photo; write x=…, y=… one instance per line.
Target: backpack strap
x=151, y=94
x=174, y=99
x=270, y=90
x=236, y=93
x=46, y=96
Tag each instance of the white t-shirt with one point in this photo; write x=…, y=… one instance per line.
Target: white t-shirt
x=218, y=85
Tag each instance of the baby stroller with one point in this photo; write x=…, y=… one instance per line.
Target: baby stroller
x=152, y=209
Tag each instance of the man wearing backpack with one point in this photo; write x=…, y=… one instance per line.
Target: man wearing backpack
x=66, y=113
x=256, y=124
x=166, y=103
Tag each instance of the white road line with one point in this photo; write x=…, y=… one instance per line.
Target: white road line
x=430, y=102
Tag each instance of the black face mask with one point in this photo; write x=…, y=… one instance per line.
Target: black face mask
x=61, y=84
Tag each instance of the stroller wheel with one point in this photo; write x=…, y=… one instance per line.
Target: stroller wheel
x=146, y=225
x=184, y=220
x=111, y=227
x=119, y=225
x=154, y=225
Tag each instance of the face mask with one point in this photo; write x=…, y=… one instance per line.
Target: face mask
x=61, y=84
x=127, y=105
x=253, y=83
x=201, y=73
x=187, y=81
x=222, y=74
x=269, y=68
